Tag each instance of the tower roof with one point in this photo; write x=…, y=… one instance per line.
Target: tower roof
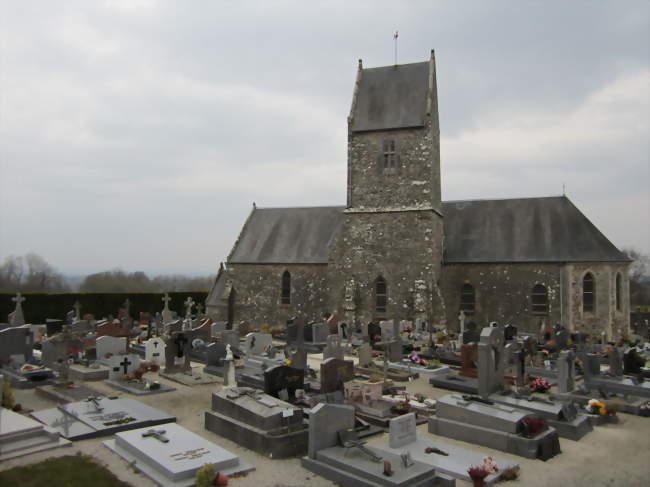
x=391, y=97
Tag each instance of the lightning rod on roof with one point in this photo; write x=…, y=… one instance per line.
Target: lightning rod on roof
x=395, y=36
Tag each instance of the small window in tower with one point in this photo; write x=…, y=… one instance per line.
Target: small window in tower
x=389, y=160
x=381, y=295
x=618, y=291
x=467, y=298
x=588, y=293
x=285, y=297
x=539, y=299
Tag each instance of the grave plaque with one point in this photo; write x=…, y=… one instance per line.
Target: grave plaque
x=154, y=350
x=402, y=430
x=121, y=365
x=283, y=377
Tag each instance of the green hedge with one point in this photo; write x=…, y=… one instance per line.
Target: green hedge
x=39, y=306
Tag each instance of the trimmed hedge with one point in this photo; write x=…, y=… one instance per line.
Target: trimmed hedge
x=39, y=306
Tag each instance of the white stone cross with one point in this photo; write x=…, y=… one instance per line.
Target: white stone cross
x=77, y=308
x=461, y=320
x=166, y=299
x=189, y=302
x=18, y=299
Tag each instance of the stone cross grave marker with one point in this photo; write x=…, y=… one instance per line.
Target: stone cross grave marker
x=491, y=362
x=154, y=350
x=189, y=304
x=334, y=373
x=402, y=430
x=17, y=318
x=157, y=434
x=166, y=312
x=77, y=310
x=461, y=322
x=333, y=348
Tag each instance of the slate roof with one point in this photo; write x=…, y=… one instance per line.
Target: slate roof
x=523, y=230
x=391, y=97
x=288, y=235
x=476, y=231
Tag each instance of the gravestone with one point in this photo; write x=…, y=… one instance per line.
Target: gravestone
x=17, y=340
x=561, y=338
x=283, y=377
x=387, y=330
x=120, y=365
x=154, y=351
x=510, y=332
x=319, y=332
x=325, y=421
x=468, y=359
x=218, y=327
x=490, y=361
x=334, y=373
x=167, y=316
x=365, y=355
x=256, y=343
x=109, y=345
x=292, y=332
x=471, y=335
x=171, y=455
x=230, y=337
x=177, y=354
x=333, y=348
x=566, y=371
x=402, y=430
x=615, y=362
x=215, y=353
x=16, y=318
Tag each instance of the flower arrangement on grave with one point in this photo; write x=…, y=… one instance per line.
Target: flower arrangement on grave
x=538, y=384
x=478, y=473
x=594, y=406
x=401, y=407
x=441, y=337
x=532, y=426
x=416, y=359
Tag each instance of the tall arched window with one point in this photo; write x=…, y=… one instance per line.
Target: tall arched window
x=467, y=298
x=381, y=295
x=285, y=297
x=539, y=299
x=588, y=293
x=618, y=291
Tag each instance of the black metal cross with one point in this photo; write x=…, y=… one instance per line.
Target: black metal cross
x=125, y=364
x=157, y=434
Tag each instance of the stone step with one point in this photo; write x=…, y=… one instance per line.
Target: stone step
x=32, y=440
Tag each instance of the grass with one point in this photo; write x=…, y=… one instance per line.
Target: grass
x=68, y=471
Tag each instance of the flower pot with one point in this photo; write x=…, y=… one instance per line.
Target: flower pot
x=478, y=481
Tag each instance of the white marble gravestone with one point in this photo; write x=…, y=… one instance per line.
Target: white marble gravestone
x=402, y=430
x=154, y=351
x=256, y=343
x=109, y=345
x=170, y=455
x=119, y=365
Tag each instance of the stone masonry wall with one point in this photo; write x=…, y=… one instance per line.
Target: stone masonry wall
x=258, y=288
x=502, y=293
x=402, y=247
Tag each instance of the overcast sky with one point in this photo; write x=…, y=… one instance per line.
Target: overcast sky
x=138, y=133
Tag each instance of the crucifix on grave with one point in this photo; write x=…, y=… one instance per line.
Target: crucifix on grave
x=166, y=312
x=461, y=321
x=17, y=318
x=189, y=303
x=157, y=434
x=77, y=310
x=125, y=364
x=95, y=401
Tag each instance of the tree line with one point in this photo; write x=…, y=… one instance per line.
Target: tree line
x=33, y=274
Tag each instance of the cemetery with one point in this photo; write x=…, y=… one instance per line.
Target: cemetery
x=334, y=410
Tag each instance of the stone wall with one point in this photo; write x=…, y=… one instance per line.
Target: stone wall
x=401, y=247
x=605, y=317
x=502, y=293
x=257, y=293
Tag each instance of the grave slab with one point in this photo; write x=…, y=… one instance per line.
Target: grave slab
x=82, y=420
x=67, y=394
x=83, y=373
x=174, y=462
x=20, y=435
x=138, y=388
x=194, y=378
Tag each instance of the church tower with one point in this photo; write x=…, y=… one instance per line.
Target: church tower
x=386, y=260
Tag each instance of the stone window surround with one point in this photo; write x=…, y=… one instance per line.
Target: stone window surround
x=381, y=295
x=539, y=299
x=285, y=288
x=389, y=156
x=618, y=283
x=468, y=298
x=588, y=292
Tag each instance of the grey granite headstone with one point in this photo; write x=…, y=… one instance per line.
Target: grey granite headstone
x=333, y=348
x=402, y=430
x=566, y=371
x=365, y=355
x=325, y=421
x=334, y=372
x=615, y=362
x=387, y=330
x=491, y=361
x=177, y=353
x=230, y=337
x=215, y=353
x=256, y=343
x=108, y=345
x=16, y=340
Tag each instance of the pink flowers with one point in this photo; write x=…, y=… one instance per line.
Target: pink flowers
x=539, y=385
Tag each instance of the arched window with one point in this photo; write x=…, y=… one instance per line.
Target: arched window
x=539, y=299
x=467, y=298
x=381, y=295
x=618, y=291
x=588, y=293
x=285, y=297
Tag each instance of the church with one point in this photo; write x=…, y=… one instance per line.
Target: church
x=396, y=251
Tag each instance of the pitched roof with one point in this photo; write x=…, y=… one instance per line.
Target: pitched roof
x=512, y=230
x=287, y=235
x=523, y=230
x=391, y=97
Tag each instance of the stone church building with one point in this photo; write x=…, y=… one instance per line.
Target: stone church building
x=395, y=250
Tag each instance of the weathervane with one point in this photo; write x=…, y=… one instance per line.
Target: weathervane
x=395, y=36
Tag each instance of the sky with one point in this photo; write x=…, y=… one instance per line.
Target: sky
x=138, y=133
